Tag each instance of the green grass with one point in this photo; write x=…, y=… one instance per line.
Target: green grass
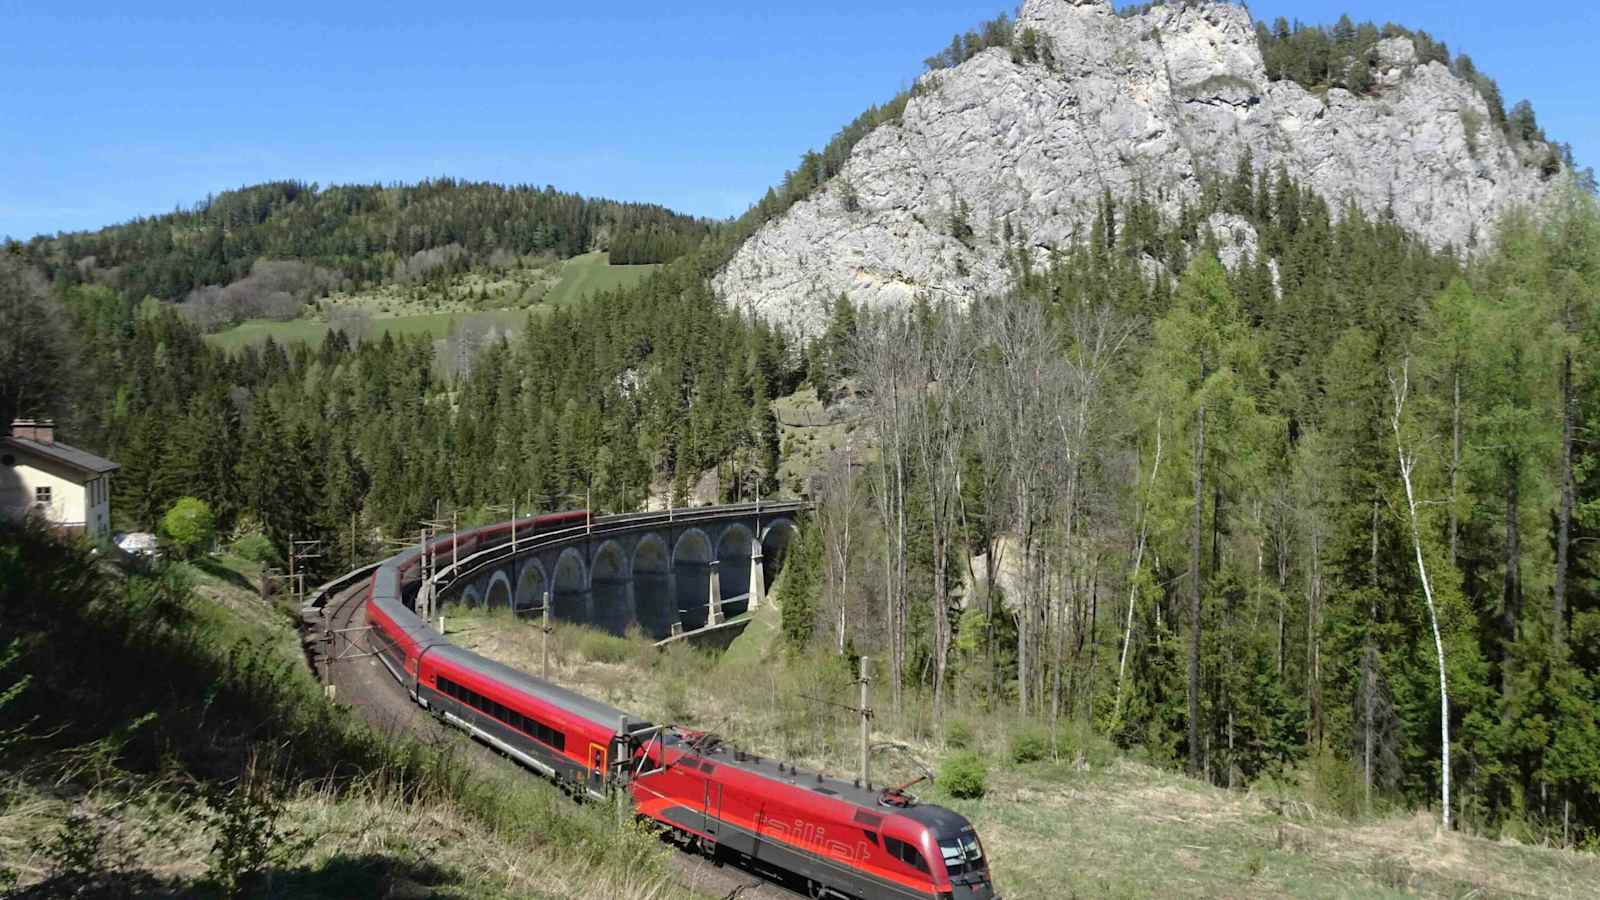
x=810, y=434
x=395, y=312
x=590, y=273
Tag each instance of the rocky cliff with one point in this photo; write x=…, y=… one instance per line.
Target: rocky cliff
x=1161, y=100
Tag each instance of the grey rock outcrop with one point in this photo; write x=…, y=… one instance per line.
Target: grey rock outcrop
x=1159, y=101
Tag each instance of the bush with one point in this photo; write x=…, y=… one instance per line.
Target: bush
x=1029, y=745
x=257, y=548
x=964, y=775
x=958, y=735
x=599, y=646
x=1335, y=784
x=1080, y=744
x=249, y=837
x=189, y=526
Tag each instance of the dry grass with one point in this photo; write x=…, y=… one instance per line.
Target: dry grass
x=374, y=843
x=1090, y=824
x=390, y=817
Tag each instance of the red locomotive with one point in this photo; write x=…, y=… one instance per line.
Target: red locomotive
x=842, y=839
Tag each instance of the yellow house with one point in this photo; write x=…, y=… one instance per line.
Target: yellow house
x=70, y=488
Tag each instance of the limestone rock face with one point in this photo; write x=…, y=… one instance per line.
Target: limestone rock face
x=1161, y=100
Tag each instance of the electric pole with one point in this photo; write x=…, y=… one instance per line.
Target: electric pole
x=545, y=627
x=299, y=552
x=866, y=721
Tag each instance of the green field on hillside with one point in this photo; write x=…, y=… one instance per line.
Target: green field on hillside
x=591, y=272
x=579, y=277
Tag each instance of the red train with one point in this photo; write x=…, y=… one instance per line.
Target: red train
x=842, y=839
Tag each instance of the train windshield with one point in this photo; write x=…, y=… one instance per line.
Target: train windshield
x=962, y=855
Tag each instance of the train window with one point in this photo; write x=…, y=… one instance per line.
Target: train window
x=906, y=853
x=871, y=836
x=961, y=855
x=525, y=724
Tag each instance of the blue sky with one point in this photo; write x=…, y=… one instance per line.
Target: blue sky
x=122, y=109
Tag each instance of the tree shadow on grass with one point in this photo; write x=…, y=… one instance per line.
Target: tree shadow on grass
x=368, y=875
x=216, y=569
x=338, y=878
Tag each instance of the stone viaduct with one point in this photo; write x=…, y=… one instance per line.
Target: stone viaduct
x=666, y=573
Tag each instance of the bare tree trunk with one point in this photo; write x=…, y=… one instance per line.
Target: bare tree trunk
x=1369, y=664
x=1283, y=602
x=1455, y=467
x=1195, y=537
x=1407, y=464
x=1313, y=637
x=1133, y=573
x=1369, y=703
x=1564, y=514
x=1093, y=680
x=880, y=356
x=1025, y=620
x=1069, y=602
x=1511, y=605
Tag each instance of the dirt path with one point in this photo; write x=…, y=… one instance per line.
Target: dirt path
x=362, y=683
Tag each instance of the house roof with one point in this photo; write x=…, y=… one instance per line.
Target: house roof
x=82, y=460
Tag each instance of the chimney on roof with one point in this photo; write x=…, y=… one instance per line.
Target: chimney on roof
x=42, y=431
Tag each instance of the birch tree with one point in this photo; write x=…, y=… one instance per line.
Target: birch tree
x=1408, y=464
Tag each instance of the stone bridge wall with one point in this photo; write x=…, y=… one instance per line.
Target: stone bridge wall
x=664, y=577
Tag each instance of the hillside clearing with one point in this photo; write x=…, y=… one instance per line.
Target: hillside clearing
x=1092, y=824
x=505, y=299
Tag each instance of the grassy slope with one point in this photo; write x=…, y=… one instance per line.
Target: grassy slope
x=591, y=272
x=810, y=434
x=369, y=831
x=392, y=310
x=1090, y=825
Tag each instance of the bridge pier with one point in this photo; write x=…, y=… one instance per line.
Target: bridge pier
x=714, y=592
x=674, y=614
x=758, y=576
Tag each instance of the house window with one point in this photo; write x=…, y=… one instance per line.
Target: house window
x=41, y=495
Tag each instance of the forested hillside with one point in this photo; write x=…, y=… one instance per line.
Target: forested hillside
x=1222, y=517
x=349, y=236
x=633, y=388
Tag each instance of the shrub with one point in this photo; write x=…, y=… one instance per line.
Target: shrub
x=1029, y=745
x=257, y=548
x=249, y=837
x=189, y=526
x=76, y=852
x=1335, y=784
x=964, y=775
x=599, y=646
x=1080, y=744
x=958, y=734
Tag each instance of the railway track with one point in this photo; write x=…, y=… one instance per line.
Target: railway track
x=361, y=682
